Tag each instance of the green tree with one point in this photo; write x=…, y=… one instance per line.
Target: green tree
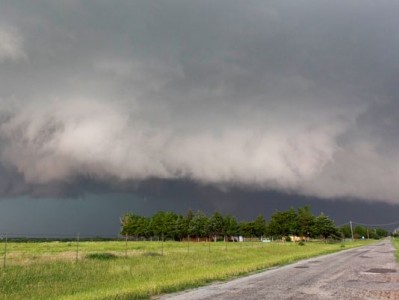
x=181, y=228
x=291, y=222
x=164, y=224
x=247, y=229
x=189, y=215
x=346, y=231
x=259, y=226
x=276, y=227
x=325, y=227
x=283, y=223
x=216, y=225
x=381, y=232
x=134, y=225
x=231, y=227
x=305, y=221
x=359, y=232
x=198, y=225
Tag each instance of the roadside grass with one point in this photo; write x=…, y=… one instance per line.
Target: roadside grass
x=395, y=242
x=50, y=271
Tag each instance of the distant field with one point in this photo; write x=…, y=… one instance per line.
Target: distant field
x=49, y=270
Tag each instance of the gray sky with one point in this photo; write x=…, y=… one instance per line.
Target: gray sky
x=95, y=214
x=297, y=97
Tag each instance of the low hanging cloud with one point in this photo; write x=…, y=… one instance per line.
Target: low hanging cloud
x=299, y=98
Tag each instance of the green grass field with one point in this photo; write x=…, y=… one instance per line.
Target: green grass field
x=49, y=270
x=396, y=244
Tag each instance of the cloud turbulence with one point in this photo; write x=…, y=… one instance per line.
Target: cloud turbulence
x=297, y=96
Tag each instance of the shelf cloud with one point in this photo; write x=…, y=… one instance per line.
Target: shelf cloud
x=297, y=96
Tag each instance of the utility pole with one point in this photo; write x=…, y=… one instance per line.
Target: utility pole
x=350, y=222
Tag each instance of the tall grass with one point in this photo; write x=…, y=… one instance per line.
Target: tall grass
x=395, y=242
x=50, y=270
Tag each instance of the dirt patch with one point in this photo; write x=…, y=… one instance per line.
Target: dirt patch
x=393, y=294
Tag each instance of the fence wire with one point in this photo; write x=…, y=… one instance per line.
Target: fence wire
x=22, y=249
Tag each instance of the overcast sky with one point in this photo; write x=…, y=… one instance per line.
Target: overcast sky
x=296, y=97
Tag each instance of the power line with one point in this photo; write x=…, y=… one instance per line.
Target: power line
x=376, y=225
x=340, y=225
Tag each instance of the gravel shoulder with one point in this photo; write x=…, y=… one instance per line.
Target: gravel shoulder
x=368, y=272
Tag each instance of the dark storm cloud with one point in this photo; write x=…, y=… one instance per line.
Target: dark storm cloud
x=296, y=96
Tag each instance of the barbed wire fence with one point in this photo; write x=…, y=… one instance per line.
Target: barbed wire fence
x=27, y=248
x=18, y=247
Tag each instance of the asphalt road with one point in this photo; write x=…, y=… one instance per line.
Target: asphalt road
x=368, y=272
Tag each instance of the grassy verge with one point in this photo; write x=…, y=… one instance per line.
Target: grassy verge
x=50, y=270
x=395, y=242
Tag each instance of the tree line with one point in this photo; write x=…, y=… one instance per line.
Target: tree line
x=301, y=222
x=363, y=232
